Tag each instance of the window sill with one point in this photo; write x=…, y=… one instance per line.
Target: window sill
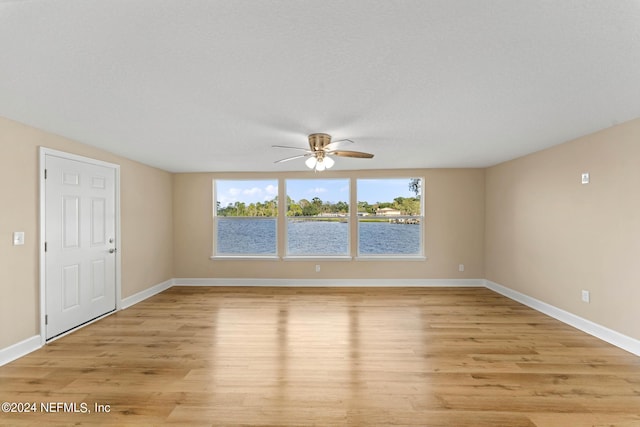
x=317, y=257
x=244, y=257
x=391, y=258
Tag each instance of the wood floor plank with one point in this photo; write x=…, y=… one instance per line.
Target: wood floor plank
x=327, y=356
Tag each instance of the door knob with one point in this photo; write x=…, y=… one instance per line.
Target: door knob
x=112, y=250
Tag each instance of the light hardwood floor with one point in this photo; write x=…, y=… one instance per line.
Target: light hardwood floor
x=328, y=356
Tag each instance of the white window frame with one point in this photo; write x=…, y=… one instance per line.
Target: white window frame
x=393, y=257
x=218, y=256
x=291, y=257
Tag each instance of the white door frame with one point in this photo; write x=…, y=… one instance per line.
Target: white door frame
x=50, y=152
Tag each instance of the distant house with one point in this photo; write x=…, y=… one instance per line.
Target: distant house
x=388, y=212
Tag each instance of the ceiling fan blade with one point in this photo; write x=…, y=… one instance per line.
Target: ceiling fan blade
x=358, y=154
x=292, y=148
x=335, y=144
x=292, y=158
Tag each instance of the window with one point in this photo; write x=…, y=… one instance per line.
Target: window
x=390, y=217
x=317, y=217
x=245, y=217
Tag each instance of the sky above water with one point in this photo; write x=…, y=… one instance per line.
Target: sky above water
x=330, y=190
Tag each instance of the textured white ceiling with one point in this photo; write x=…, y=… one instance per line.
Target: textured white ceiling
x=205, y=85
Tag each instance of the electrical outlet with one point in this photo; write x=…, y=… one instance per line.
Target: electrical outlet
x=585, y=178
x=317, y=268
x=586, y=297
x=460, y=267
x=18, y=238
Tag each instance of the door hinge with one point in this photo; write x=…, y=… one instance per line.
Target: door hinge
x=45, y=246
x=46, y=319
x=45, y=174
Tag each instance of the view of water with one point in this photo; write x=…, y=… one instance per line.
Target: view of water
x=246, y=236
x=258, y=236
x=317, y=238
x=385, y=238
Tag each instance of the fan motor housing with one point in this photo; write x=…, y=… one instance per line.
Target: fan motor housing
x=317, y=141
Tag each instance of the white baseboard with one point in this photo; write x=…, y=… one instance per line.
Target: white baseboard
x=147, y=293
x=332, y=282
x=25, y=347
x=16, y=351
x=612, y=337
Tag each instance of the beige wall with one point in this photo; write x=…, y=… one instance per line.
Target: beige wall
x=147, y=246
x=549, y=237
x=454, y=231
x=527, y=224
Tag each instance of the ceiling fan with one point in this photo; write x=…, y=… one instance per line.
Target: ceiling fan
x=320, y=151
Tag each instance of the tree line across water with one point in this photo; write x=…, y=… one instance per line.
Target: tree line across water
x=316, y=206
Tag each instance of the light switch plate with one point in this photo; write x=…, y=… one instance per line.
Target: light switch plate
x=18, y=238
x=585, y=178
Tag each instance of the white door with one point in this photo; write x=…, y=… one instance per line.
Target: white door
x=80, y=232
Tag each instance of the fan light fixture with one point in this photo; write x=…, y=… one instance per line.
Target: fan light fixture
x=319, y=162
x=321, y=150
